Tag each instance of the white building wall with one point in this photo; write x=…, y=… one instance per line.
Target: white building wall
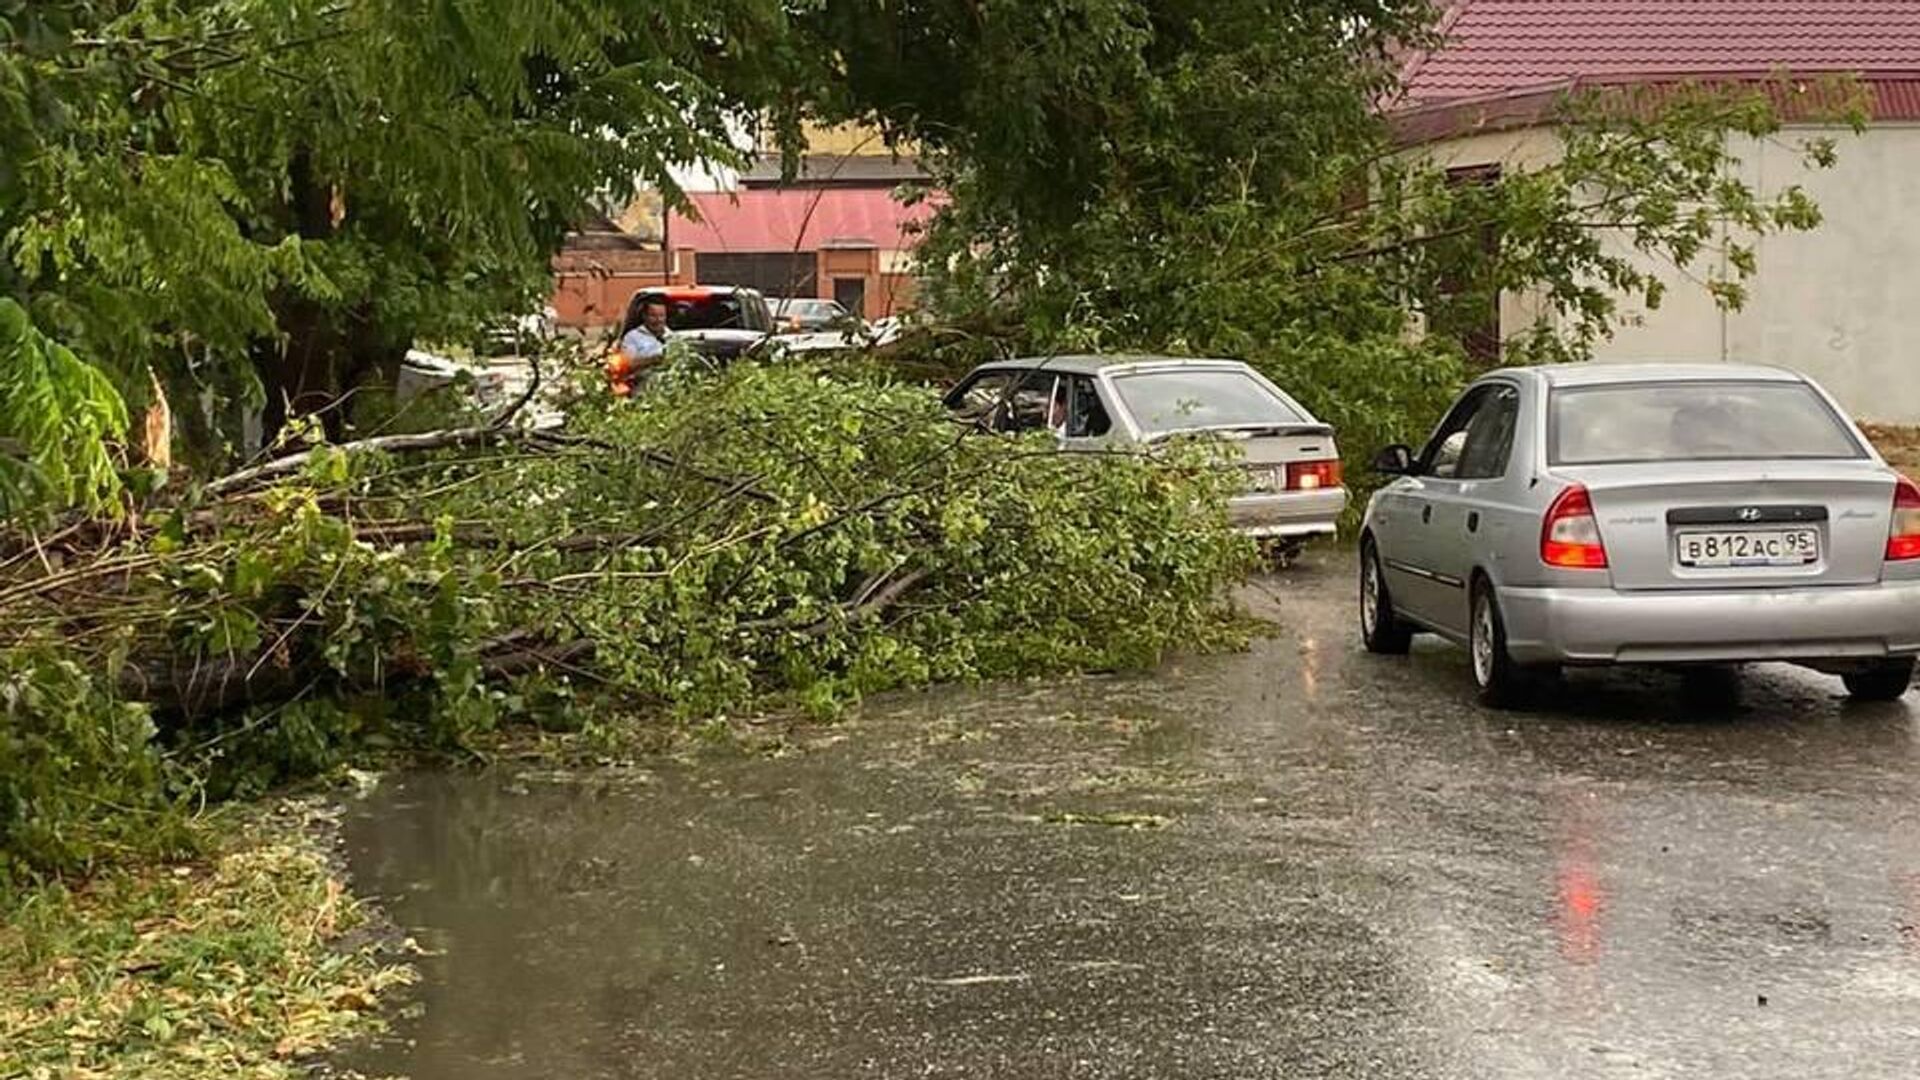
x=1841, y=303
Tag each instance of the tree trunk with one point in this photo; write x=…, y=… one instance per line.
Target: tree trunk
x=301, y=370
x=297, y=371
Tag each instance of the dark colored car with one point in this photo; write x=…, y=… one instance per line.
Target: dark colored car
x=719, y=321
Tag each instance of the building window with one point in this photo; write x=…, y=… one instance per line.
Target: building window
x=1475, y=323
x=852, y=294
x=775, y=273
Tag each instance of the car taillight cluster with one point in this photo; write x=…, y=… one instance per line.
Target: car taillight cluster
x=1313, y=475
x=1570, y=536
x=1903, y=535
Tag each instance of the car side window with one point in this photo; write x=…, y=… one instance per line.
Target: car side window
x=1010, y=401
x=1441, y=458
x=1489, y=436
x=1086, y=416
x=981, y=400
x=1034, y=404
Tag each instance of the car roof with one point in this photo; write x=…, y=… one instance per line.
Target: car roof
x=1083, y=364
x=690, y=292
x=1593, y=374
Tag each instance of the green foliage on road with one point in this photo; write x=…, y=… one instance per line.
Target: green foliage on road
x=769, y=537
x=875, y=543
x=83, y=781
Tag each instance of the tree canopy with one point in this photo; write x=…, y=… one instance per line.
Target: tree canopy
x=269, y=200
x=1223, y=178
x=295, y=190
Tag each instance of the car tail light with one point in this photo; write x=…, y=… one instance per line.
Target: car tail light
x=1313, y=475
x=1570, y=536
x=1903, y=535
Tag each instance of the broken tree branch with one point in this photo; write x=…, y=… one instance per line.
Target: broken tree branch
x=874, y=597
x=492, y=432
x=451, y=439
x=533, y=387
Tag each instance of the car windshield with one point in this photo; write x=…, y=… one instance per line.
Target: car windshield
x=1185, y=399
x=706, y=313
x=1701, y=421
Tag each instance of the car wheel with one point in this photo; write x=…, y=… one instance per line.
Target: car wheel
x=1380, y=626
x=1502, y=683
x=1884, y=681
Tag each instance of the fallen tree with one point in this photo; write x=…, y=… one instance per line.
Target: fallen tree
x=767, y=537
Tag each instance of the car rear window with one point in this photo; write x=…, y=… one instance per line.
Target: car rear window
x=1695, y=421
x=1164, y=401
x=706, y=313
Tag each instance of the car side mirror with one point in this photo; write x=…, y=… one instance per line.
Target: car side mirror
x=1395, y=460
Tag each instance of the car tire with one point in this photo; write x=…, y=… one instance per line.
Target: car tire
x=1381, y=628
x=1503, y=684
x=1884, y=681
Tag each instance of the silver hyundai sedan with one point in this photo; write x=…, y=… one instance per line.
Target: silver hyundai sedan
x=1690, y=515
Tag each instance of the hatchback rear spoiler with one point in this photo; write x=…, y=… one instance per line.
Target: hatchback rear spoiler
x=1250, y=431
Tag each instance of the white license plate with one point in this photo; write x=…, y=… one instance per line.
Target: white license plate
x=1265, y=479
x=1748, y=547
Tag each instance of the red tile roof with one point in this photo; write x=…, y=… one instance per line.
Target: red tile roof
x=759, y=220
x=1887, y=99
x=1500, y=46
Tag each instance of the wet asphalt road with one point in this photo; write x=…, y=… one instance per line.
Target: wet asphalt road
x=1296, y=862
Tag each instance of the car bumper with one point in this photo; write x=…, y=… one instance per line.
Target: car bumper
x=1606, y=626
x=1285, y=514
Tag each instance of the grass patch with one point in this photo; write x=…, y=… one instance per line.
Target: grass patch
x=234, y=965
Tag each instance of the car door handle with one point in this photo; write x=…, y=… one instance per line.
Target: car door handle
x=1473, y=521
x=1426, y=515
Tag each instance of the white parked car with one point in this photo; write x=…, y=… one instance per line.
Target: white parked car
x=422, y=371
x=1699, y=516
x=807, y=315
x=1293, y=476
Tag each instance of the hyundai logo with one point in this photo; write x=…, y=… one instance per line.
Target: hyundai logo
x=1749, y=513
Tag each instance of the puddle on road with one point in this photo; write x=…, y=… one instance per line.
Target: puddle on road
x=806, y=915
